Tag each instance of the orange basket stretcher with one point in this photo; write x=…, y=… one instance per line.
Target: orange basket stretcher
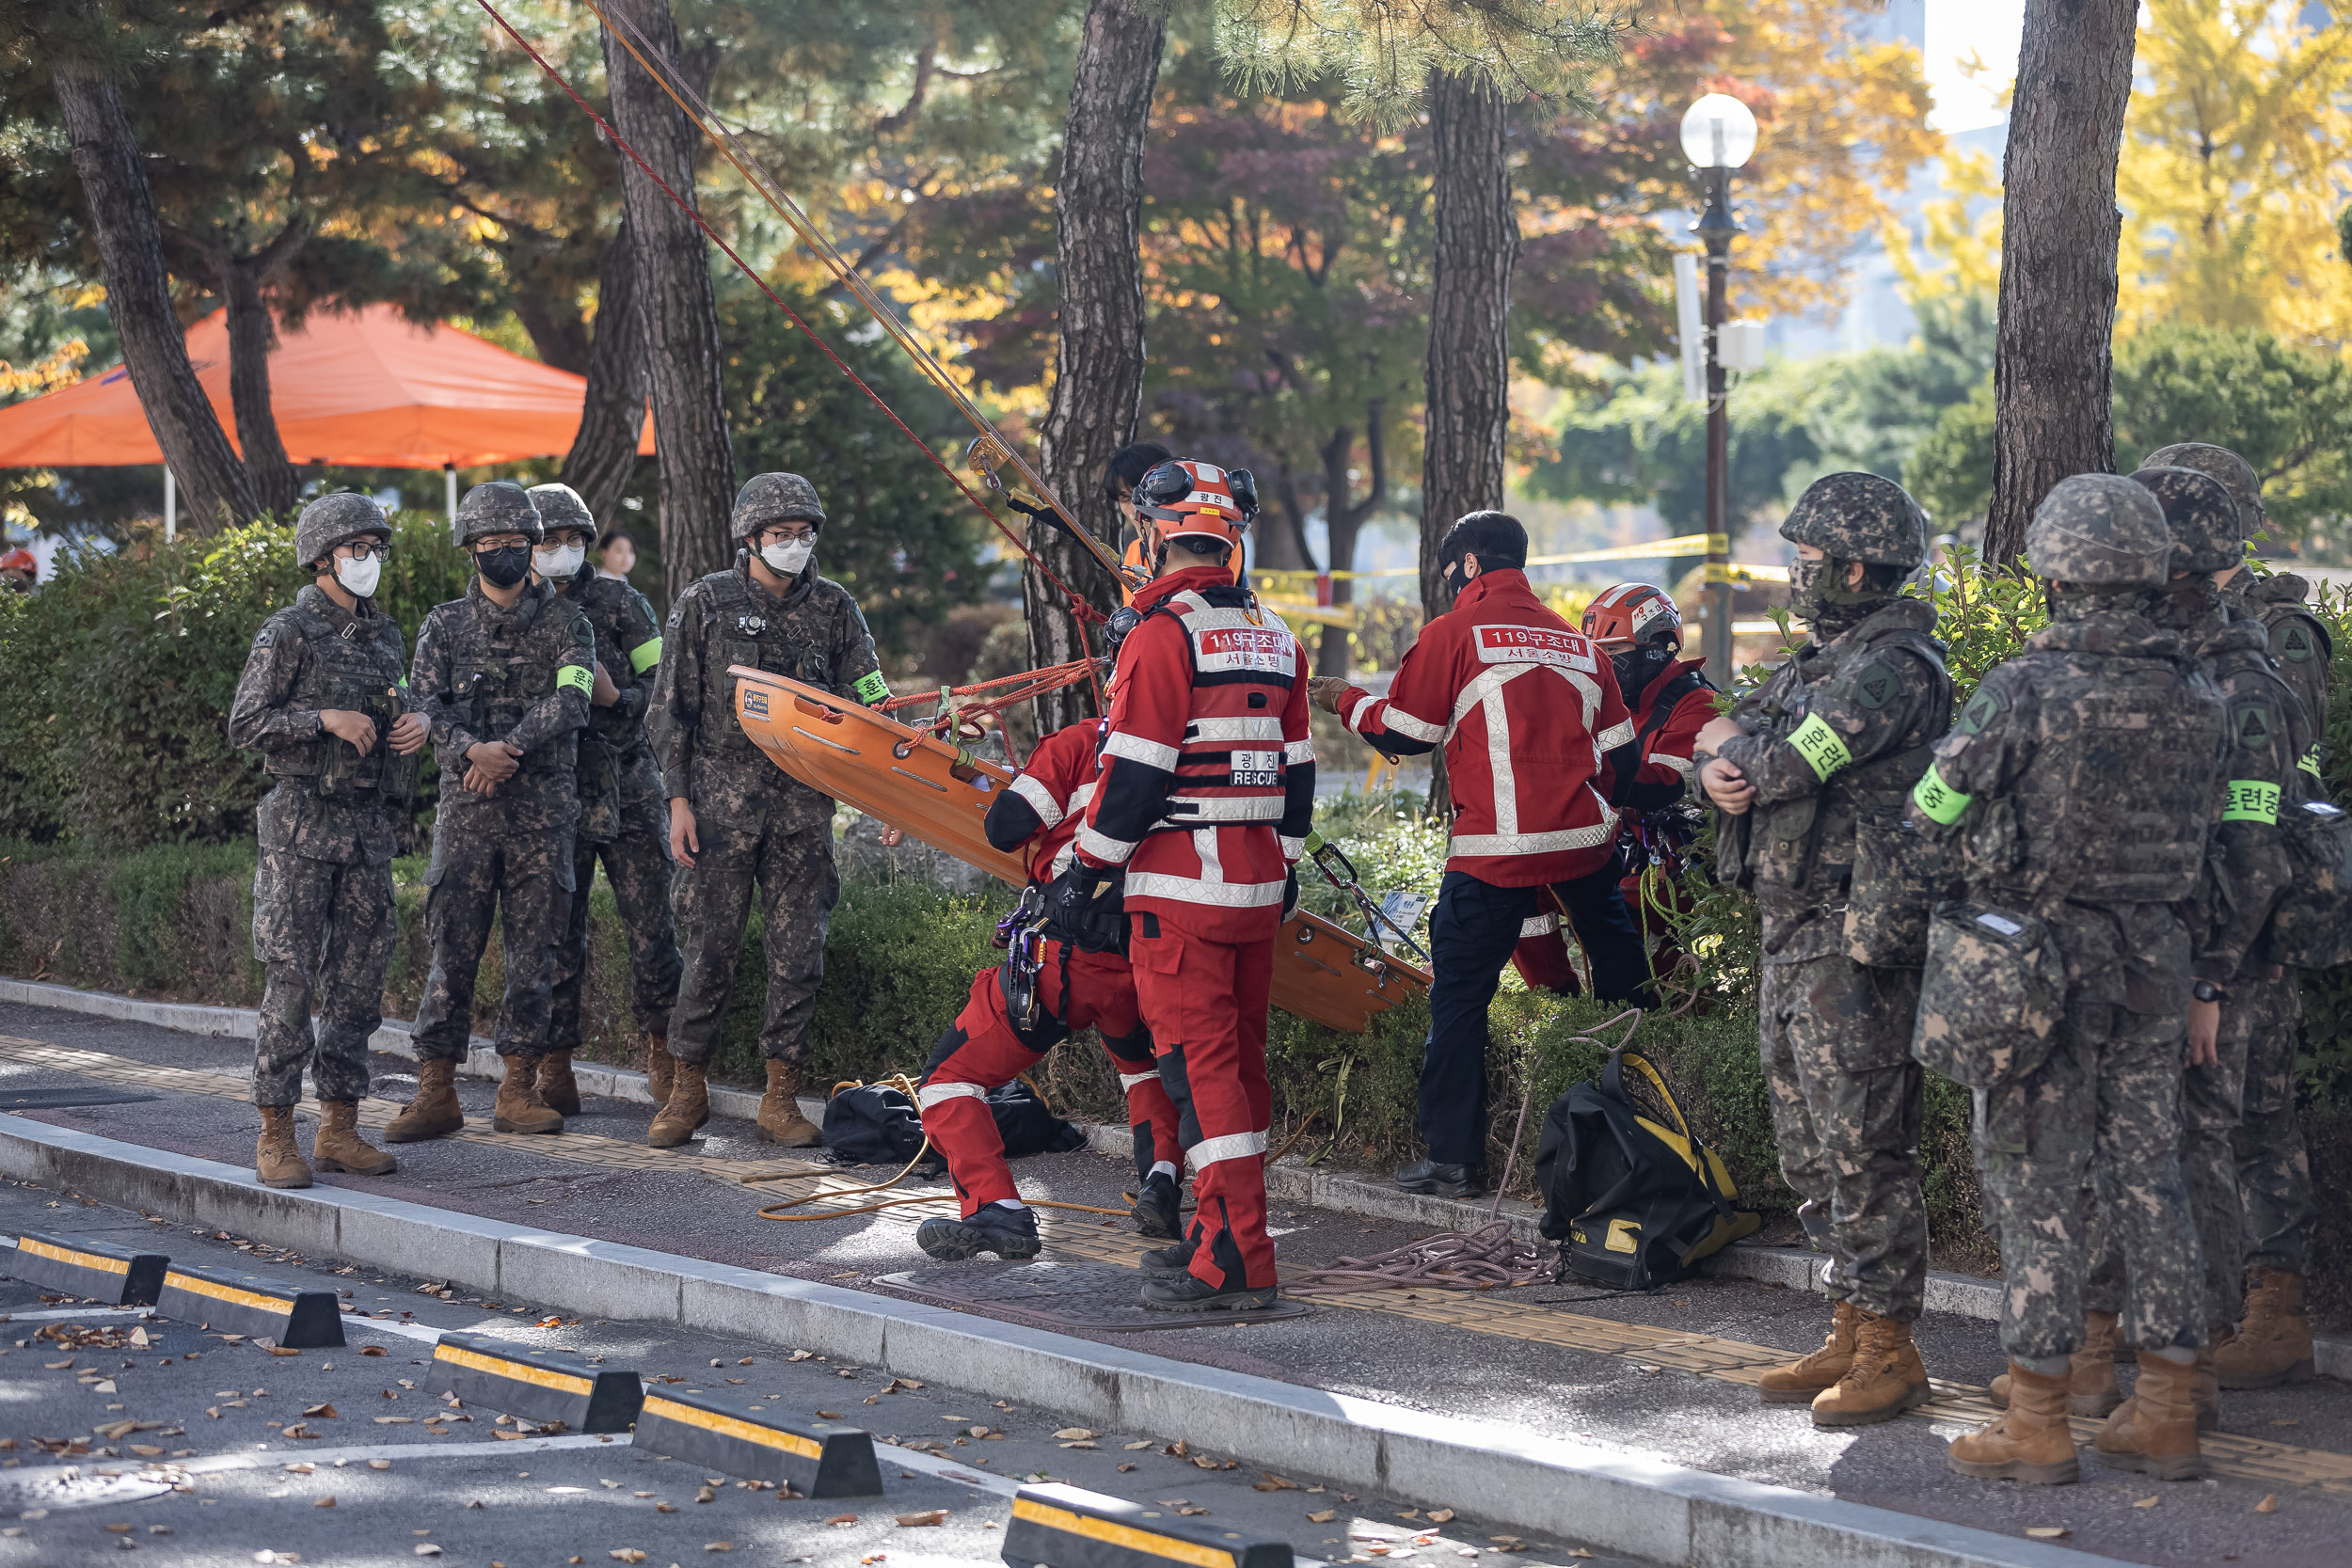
x=913, y=783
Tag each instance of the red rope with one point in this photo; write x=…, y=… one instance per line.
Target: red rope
x=1080, y=611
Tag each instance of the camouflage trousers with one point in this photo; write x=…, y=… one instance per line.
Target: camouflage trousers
x=323, y=930
x=637, y=868
x=2274, y=1173
x=2211, y=1099
x=2105, y=1107
x=712, y=900
x=525, y=880
x=1846, y=1110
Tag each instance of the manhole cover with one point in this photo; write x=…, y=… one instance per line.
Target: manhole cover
x=57, y=1100
x=72, y=1487
x=1099, y=1296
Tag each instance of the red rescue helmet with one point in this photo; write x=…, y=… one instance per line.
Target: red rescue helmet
x=19, y=559
x=1187, y=499
x=1630, y=615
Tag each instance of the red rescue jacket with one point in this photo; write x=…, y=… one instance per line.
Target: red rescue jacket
x=1527, y=710
x=1208, y=781
x=1048, y=798
x=1667, y=718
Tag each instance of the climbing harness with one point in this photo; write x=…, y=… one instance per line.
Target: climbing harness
x=1326, y=856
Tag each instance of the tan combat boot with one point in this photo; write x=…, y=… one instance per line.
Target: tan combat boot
x=2092, y=1390
x=1884, y=1378
x=780, y=1119
x=557, y=1086
x=687, y=1107
x=2155, y=1432
x=2274, y=1343
x=2031, y=1441
x=659, y=1065
x=338, y=1146
x=435, y=1111
x=519, y=1109
x=1804, y=1379
x=2205, y=1385
x=276, y=1161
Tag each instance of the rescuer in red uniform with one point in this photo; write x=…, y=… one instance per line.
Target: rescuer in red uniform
x=1535, y=739
x=1047, y=989
x=1640, y=630
x=1205, y=799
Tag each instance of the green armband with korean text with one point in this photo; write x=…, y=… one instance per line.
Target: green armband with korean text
x=2252, y=801
x=871, y=688
x=576, y=676
x=1823, y=748
x=1938, y=801
x=645, y=654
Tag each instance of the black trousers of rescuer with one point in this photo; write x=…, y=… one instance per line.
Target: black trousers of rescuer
x=1473, y=930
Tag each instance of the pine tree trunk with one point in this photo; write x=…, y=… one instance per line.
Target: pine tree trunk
x=1098, y=386
x=252, y=334
x=212, y=483
x=2059, y=228
x=676, y=309
x=1344, y=519
x=604, y=452
x=1468, y=373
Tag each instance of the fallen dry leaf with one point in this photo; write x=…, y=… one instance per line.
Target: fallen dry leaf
x=916, y=1521
x=400, y=1421
x=2147, y=1502
x=2286, y=1420
x=828, y=1414
x=800, y=1355
x=326, y=1411
x=374, y=1350
x=1441, y=1516
x=665, y=1508
x=1082, y=1445
x=323, y=1502
x=1145, y=1444
x=2269, y=1503
x=625, y=1554
x=842, y=1519
x=718, y=1546
x=425, y=1549
x=117, y=1530
x=1323, y=1517
x=280, y=1350
x=2047, y=1532
x=1073, y=1435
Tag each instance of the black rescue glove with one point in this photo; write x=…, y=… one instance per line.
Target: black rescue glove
x=1088, y=907
x=1290, y=893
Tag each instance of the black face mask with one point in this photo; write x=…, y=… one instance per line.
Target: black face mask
x=504, y=569
x=1638, y=667
x=1450, y=578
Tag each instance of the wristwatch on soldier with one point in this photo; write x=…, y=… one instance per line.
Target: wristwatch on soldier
x=2205, y=991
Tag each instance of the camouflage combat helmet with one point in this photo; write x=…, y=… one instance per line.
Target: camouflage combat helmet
x=332, y=521
x=2100, y=532
x=2203, y=516
x=2236, y=475
x=560, y=506
x=774, y=499
x=501, y=506
x=1855, y=516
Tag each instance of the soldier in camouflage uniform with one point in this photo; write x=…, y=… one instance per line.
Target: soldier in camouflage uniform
x=1810, y=770
x=623, y=815
x=2082, y=784
x=735, y=818
x=322, y=699
x=2273, y=1344
x=504, y=675
x=2246, y=876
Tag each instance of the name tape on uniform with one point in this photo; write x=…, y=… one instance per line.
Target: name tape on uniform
x=816, y=1458
x=252, y=1305
x=85, y=1266
x=1508, y=645
x=1067, y=1527
x=534, y=1385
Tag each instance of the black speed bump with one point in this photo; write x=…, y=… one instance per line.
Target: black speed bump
x=534, y=1385
x=1066, y=1527
x=251, y=1306
x=82, y=1266
x=817, y=1459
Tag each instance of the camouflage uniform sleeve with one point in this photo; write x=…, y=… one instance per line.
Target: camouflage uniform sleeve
x=429, y=684
x=572, y=649
x=2302, y=648
x=1855, y=714
x=640, y=647
x=856, y=668
x=396, y=644
x=260, y=716
x=678, y=690
x=2267, y=738
x=1991, y=743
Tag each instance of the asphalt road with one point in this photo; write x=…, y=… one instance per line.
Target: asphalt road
x=211, y=1476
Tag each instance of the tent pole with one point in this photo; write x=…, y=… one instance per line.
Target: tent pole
x=449, y=490
x=171, y=505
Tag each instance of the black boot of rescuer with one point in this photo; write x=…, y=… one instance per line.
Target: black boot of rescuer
x=1428, y=1175
x=1191, y=1293
x=1168, y=1262
x=1157, y=1208
x=1010, y=1233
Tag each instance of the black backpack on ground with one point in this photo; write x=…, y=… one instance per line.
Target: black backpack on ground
x=877, y=1124
x=1633, y=1199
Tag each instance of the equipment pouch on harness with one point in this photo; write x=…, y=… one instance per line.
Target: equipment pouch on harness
x=1995, y=991
x=1631, y=1195
x=2311, y=924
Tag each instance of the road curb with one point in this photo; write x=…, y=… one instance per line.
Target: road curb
x=1288, y=1181
x=1621, y=1502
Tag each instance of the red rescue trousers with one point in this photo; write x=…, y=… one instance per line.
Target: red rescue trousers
x=1205, y=1003
x=983, y=1052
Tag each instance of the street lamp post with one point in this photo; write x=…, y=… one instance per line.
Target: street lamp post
x=1717, y=136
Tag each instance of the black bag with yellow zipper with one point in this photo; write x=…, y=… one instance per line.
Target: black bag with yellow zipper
x=1633, y=1199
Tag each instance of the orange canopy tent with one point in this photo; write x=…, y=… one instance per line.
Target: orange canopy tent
x=365, y=389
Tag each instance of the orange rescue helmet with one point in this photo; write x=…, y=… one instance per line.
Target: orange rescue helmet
x=1186, y=498
x=1631, y=614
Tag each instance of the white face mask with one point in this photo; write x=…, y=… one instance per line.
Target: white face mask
x=561, y=561
x=359, y=577
x=787, y=560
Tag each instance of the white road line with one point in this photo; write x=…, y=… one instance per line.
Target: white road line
x=83, y=1314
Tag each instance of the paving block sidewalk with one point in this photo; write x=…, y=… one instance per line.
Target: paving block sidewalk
x=1668, y=1375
